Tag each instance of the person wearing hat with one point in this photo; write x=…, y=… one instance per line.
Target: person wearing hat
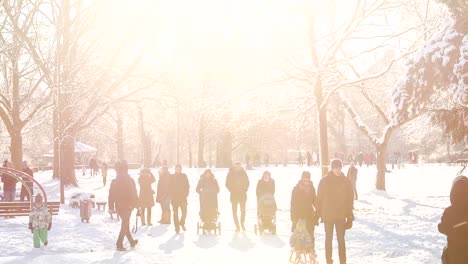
x=303, y=199
x=24, y=192
x=146, y=195
x=123, y=197
x=237, y=182
x=335, y=198
x=40, y=221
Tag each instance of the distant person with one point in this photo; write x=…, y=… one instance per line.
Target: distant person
x=162, y=195
x=93, y=165
x=309, y=158
x=40, y=221
x=335, y=207
x=179, y=191
x=24, y=194
x=360, y=158
x=300, y=159
x=9, y=184
x=104, y=173
x=146, y=195
x=352, y=176
x=315, y=159
x=237, y=182
x=454, y=224
x=303, y=206
x=123, y=198
x=267, y=160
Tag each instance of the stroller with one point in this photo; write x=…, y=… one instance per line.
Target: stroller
x=266, y=214
x=209, y=214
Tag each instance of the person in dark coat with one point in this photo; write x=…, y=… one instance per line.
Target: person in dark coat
x=237, y=182
x=24, y=192
x=352, y=176
x=9, y=184
x=454, y=223
x=123, y=198
x=208, y=190
x=146, y=195
x=303, y=203
x=266, y=185
x=335, y=200
x=178, y=192
x=162, y=195
x=104, y=173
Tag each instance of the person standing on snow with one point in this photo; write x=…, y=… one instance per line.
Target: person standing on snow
x=9, y=184
x=24, y=192
x=352, y=176
x=179, y=191
x=146, y=195
x=123, y=197
x=335, y=207
x=162, y=195
x=454, y=224
x=40, y=221
x=104, y=173
x=303, y=203
x=237, y=182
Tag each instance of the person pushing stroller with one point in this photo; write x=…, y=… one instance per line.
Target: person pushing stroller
x=266, y=204
x=208, y=190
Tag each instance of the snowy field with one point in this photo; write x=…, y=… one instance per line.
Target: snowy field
x=395, y=227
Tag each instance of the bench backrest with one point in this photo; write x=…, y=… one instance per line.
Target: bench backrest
x=24, y=208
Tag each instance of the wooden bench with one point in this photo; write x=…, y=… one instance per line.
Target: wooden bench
x=24, y=208
x=101, y=204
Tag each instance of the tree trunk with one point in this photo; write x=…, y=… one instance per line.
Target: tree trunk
x=147, y=148
x=16, y=148
x=55, y=163
x=190, y=154
x=67, y=165
x=381, y=166
x=120, y=142
x=201, y=142
x=323, y=130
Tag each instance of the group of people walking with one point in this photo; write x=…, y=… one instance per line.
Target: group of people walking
x=331, y=204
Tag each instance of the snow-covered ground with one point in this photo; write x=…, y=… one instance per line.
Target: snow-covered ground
x=399, y=226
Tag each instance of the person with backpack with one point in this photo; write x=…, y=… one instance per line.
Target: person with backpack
x=303, y=202
x=335, y=199
x=237, y=182
x=454, y=224
x=146, y=195
x=123, y=197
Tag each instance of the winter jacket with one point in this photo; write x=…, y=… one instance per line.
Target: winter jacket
x=301, y=241
x=352, y=174
x=123, y=194
x=264, y=187
x=454, y=223
x=146, y=191
x=207, y=186
x=40, y=217
x=162, y=194
x=9, y=183
x=335, y=198
x=237, y=182
x=28, y=181
x=179, y=188
x=303, y=202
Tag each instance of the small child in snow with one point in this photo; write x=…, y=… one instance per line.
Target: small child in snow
x=40, y=221
x=301, y=244
x=300, y=239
